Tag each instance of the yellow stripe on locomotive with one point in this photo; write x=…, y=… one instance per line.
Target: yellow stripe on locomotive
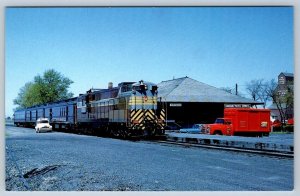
x=143, y=100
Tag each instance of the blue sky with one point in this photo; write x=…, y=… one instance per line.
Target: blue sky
x=219, y=46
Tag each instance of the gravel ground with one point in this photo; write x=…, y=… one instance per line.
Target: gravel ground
x=67, y=162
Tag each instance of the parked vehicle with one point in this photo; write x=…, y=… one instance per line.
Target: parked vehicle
x=42, y=125
x=290, y=125
x=196, y=128
x=276, y=123
x=290, y=121
x=242, y=121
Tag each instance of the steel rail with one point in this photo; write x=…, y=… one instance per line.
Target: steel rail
x=236, y=149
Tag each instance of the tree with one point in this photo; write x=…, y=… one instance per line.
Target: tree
x=258, y=91
x=266, y=91
x=52, y=86
x=254, y=88
x=23, y=99
x=288, y=100
x=279, y=101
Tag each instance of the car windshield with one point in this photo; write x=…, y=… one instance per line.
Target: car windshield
x=219, y=121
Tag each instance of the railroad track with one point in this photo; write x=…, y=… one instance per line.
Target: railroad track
x=236, y=149
x=162, y=140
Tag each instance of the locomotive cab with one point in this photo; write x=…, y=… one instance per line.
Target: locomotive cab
x=144, y=113
x=142, y=87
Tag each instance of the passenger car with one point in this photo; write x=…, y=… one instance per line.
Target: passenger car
x=42, y=124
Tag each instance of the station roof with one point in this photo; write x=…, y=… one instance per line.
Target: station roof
x=287, y=74
x=189, y=90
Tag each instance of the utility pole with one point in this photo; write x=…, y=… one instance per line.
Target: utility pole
x=236, y=89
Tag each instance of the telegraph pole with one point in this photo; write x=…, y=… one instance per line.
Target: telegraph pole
x=236, y=89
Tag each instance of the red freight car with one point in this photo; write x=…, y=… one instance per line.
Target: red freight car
x=242, y=121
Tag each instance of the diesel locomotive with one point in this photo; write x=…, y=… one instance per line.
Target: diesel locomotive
x=130, y=109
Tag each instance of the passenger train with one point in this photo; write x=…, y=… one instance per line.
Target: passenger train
x=130, y=109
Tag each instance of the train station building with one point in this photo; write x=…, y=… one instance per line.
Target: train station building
x=188, y=101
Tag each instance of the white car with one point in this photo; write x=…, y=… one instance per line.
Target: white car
x=42, y=124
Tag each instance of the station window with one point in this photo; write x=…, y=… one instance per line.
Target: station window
x=281, y=80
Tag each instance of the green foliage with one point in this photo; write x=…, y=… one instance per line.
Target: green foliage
x=52, y=86
x=26, y=96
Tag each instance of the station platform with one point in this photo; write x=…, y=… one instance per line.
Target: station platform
x=283, y=143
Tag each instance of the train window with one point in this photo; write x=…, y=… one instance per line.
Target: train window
x=154, y=88
x=136, y=88
x=143, y=87
x=126, y=88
